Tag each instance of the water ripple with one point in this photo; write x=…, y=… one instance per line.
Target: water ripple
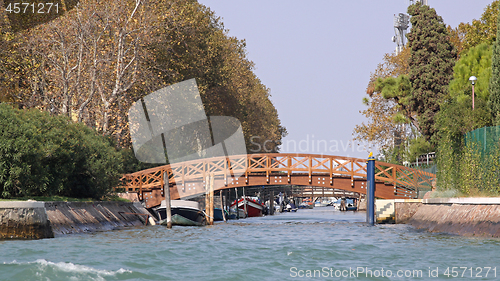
x=267, y=248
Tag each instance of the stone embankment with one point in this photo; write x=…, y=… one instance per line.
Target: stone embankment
x=36, y=220
x=24, y=219
x=461, y=216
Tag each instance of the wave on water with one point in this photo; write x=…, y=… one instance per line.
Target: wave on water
x=48, y=270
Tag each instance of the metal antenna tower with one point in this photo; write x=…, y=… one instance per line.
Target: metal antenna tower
x=424, y=2
x=401, y=24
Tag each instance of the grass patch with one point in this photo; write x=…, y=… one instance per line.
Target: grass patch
x=114, y=197
x=49, y=198
x=453, y=193
x=66, y=199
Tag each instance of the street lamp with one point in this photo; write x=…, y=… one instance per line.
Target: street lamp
x=472, y=80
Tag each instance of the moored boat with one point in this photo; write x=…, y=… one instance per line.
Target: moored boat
x=185, y=213
x=351, y=208
x=306, y=204
x=290, y=207
x=218, y=214
x=344, y=204
x=253, y=207
x=321, y=203
x=233, y=215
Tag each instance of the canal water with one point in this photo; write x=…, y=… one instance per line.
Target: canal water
x=311, y=244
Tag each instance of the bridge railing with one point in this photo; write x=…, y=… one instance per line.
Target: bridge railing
x=397, y=175
x=286, y=164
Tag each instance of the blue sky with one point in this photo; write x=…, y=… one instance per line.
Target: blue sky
x=316, y=57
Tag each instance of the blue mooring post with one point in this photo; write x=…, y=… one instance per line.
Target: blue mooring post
x=370, y=193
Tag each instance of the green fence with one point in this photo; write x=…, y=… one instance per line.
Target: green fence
x=432, y=168
x=478, y=165
x=486, y=139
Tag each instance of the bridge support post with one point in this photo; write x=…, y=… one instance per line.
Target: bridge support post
x=166, y=192
x=370, y=195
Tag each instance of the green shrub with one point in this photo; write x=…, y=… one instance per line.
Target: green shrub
x=43, y=155
x=131, y=164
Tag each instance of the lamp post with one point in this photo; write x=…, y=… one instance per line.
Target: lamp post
x=473, y=79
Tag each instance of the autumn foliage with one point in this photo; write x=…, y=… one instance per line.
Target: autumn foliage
x=91, y=63
x=88, y=64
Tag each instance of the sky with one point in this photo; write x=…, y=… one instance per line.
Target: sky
x=316, y=57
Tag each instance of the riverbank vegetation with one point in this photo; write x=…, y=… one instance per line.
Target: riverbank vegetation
x=420, y=101
x=57, y=198
x=52, y=155
x=79, y=71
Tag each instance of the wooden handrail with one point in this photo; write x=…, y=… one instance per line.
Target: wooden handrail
x=287, y=163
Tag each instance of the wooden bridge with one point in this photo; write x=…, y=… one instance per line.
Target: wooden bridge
x=188, y=179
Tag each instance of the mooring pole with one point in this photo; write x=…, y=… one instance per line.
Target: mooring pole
x=245, y=203
x=168, y=207
x=227, y=200
x=370, y=194
x=211, y=200
x=271, y=202
x=237, y=209
x=207, y=199
x=222, y=204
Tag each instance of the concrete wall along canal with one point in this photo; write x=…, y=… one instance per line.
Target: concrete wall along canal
x=36, y=220
x=460, y=216
x=24, y=219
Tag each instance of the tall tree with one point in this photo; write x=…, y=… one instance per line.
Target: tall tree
x=431, y=64
x=5, y=46
x=494, y=100
x=380, y=128
x=92, y=62
x=91, y=53
x=14, y=65
x=456, y=116
x=474, y=62
x=482, y=30
x=384, y=127
x=399, y=90
x=194, y=44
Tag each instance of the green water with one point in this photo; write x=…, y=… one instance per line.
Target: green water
x=319, y=242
